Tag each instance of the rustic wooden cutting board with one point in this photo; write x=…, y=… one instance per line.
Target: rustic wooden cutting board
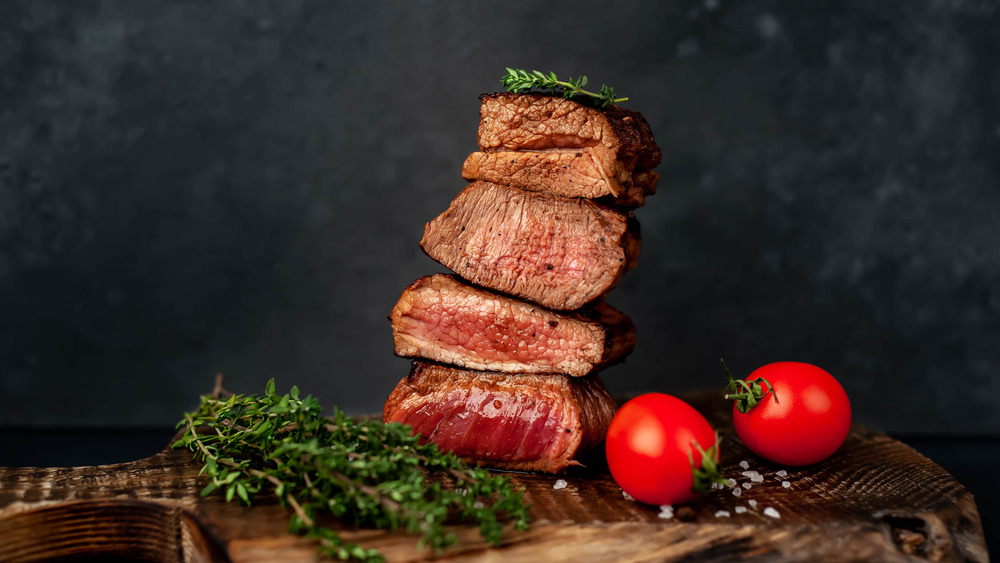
x=876, y=499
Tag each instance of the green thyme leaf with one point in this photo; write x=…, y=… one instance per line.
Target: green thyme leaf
x=518, y=80
x=364, y=472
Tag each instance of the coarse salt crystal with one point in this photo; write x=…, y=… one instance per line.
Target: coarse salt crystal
x=741, y=509
x=744, y=464
x=737, y=491
x=781, y=473
x=627, y=496
x=752, y=503
x=754, y=476
x=732, y=482
x=786, y=484
x=666, y=512
x=717, y=485
x=560, y=484
x=771, y=512
x=722, y=514
x=478, y=504
x=747, y=486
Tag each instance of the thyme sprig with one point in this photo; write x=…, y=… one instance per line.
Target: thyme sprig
x=518, y=80
x=362, y=471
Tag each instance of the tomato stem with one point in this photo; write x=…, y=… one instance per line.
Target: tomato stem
x=752, y=393
x=709, y=471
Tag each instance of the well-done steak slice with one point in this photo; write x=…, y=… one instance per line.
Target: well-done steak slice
x=509, y=421
x=559, y=252
x=440, y=318
x=509, y=121
x=565, y=172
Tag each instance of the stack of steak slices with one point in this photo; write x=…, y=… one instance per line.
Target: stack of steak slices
x=506, y=353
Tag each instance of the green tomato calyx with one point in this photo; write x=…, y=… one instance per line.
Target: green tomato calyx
x=747, y=394
x=709, y=471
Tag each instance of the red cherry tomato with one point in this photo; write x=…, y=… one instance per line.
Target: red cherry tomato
x=802, y=420
x=651, y=444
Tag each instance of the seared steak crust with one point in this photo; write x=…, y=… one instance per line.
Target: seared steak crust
x=521, y=422
x=643, y=184
x=561, y=253
x=440, y=318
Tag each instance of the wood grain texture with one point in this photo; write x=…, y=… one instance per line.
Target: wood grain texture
x=875, y=499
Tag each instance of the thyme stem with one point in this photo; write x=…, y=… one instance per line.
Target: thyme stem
x=363, y=472
x=519, y=80
x=298, y=510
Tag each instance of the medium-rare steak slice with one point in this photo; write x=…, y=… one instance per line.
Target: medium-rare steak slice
x=509, y=121
x=565, y=172
x=559, y=252
x=442, y=319
x=509, y=421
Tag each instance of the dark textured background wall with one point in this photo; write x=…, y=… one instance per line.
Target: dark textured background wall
x=189, y=188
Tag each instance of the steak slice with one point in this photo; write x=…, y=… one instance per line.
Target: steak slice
x=565, y=172
x=509, y=121
x=508, y=421
x=442, y=319
x=559, y=252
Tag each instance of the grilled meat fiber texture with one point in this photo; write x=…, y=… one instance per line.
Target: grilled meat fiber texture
x=561, y=253
x=520, y=422
x=537, y=121
x=546, y=143
x=565, y=172
x=440, y=318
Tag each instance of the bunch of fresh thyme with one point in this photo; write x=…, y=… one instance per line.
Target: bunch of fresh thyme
x=364, y=472
x=518, y=80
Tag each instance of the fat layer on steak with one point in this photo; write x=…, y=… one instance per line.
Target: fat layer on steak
x=508, y=421
x=559, y=252
x=565, y=172
x=440, y=318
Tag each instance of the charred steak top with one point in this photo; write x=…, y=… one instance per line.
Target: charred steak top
x=509, y=121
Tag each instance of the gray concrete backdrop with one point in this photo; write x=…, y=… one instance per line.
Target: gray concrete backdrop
x=197, y=187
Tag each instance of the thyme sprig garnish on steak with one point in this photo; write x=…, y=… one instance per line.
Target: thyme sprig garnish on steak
x=519, y=80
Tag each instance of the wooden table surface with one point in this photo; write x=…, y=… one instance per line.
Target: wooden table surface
x=875, y=499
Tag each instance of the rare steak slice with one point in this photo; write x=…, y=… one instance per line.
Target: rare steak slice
x=508, y=421
x=442, y=319
x=509, y=121
x=559, y=252
x=565, y=172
